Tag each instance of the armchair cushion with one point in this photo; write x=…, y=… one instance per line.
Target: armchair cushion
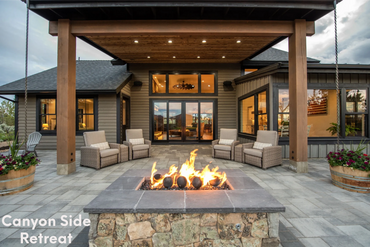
x=261, y=145
x=267, y=136
x=222, y=147
x=134, y=134
x=140, y=147
x=101, y=146
x=137, y=141
x=108, y=152
x=253, y=152
x=228, y=134
x=94, y=137
x=226, y=141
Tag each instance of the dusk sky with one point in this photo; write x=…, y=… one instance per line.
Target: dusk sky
x=353, y=21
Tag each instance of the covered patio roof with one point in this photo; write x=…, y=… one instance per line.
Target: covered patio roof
x=225, y=30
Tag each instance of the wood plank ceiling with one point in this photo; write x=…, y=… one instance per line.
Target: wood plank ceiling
x=182, y=48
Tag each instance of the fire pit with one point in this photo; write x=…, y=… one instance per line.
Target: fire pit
x=187, y=178
x=241, y=214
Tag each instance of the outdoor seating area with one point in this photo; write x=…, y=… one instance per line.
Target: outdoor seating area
x=317, y=213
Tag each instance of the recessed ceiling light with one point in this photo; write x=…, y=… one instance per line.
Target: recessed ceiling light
x=136, y=41
x=174, y=56
x=161, y=86
x=202, y=80
x=204, y=41
x=148, y=56
x=170, y=41
x=238, y=41
x=209, y=85
x=223, y=56
x=198, y=56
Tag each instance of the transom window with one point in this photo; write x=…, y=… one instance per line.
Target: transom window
x=183, y=83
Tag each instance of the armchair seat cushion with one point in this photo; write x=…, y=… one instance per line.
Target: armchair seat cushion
x=253, y=152
x=226, y=141
x=101, y=146
x=140, y=147
x=222, y=147
x=108, y=152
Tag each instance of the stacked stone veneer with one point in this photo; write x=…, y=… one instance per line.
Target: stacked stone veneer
x=187, y=230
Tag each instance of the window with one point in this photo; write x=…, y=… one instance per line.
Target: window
x=356, y=109
x=85, y=114
x=248, y=71
x=183, y=83
x=322, y=111
x=47, y=115
x=253, y=113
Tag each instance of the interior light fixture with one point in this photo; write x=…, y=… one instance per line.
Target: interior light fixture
x=170, y=41
x=136, y=41
x=223, y=56
x=148, y=56
x=198, y=56
x=238, y=41
x=204, y=41
x=174, y=56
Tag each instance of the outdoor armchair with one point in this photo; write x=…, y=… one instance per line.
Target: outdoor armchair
x=265, y=152
x=225, y=146
x=32, y=142
x=97, y=153
x=138, y=147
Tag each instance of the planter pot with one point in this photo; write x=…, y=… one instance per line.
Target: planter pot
x=352, y=180
x=17, y=181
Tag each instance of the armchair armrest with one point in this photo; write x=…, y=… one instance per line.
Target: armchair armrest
x=90, y=156
x=129, y=145
x=272, y=156
x=233, y=149
x=114, y=145
x=248, y=145
x=150, y=145
x=214, y=142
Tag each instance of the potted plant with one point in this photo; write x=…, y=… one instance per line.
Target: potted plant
x=349, y=129
x=16, y=171
x=350, y=169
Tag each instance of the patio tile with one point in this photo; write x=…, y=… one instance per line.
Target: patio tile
x=342, y=241
x=358, y=233
x=174, y=203
x=218, y=202
x=315, y=227
x=313, y=242
x=6, y=232
x=12, y=242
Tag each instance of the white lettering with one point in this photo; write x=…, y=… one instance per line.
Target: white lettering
x=17, y=222
x=64, y=220
x=51, y=222
x=42, y=222
x=33, y=240
x=53, y=239
x=62, y=240
x=40, y=238
x=34, y=223
x=70, y=238
x=3, y=220
x=24, y=236
x=86, y=222
x=77, y=222
x=26, y=221
x=46, y=239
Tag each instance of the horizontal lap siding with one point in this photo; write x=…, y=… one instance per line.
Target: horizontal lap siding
x=140, y=108
x=107, y=119
x=126, y=89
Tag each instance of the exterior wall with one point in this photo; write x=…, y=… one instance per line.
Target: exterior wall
x=127, y=89
x=106, y=119
x=314, y=150
x=140, y=96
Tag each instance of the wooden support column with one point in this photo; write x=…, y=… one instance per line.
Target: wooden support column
x=66, y=99
x=298, y=98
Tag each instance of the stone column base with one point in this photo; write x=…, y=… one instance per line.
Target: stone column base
x=65, y=169
x=298, y=167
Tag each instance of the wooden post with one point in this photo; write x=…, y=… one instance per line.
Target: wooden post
x=298, y=98
x=66, y=99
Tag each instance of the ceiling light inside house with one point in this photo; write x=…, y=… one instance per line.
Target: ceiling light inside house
x=238, y=41
x=136, y=41
x=223, y=56
x=170, y=41
x=209, y=85
x=148, y=56
x=204, y=41
x=198, y=56
x=174, y=56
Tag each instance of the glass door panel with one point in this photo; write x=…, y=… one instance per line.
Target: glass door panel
x=175, y=121
x=160, y=121
x=206, y=120
x=191, y=125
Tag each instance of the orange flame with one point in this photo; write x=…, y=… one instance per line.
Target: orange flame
x=188, y=171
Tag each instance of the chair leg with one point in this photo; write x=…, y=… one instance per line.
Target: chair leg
x=36, y=153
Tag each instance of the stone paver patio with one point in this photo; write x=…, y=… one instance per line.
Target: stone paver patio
x=317, y=212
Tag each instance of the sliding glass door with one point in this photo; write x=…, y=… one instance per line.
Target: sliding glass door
x=183, y=121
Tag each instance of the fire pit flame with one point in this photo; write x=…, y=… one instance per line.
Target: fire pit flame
x=206, y=176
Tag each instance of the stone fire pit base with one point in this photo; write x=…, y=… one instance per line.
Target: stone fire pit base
x=198, y=230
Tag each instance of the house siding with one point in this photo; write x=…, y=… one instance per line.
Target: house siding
x=314, y=150
x=106, y=121
x=140, y=108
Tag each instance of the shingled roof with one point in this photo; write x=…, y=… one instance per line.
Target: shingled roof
x=276, y=55
x=100, y=76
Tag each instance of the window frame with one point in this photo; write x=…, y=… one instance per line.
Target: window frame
x=95, y=98
x=38, y=115
x=328, y=86
x=199, y=73
x=255, y=93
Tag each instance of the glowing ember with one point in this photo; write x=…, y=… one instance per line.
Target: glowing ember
x=207, y=177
